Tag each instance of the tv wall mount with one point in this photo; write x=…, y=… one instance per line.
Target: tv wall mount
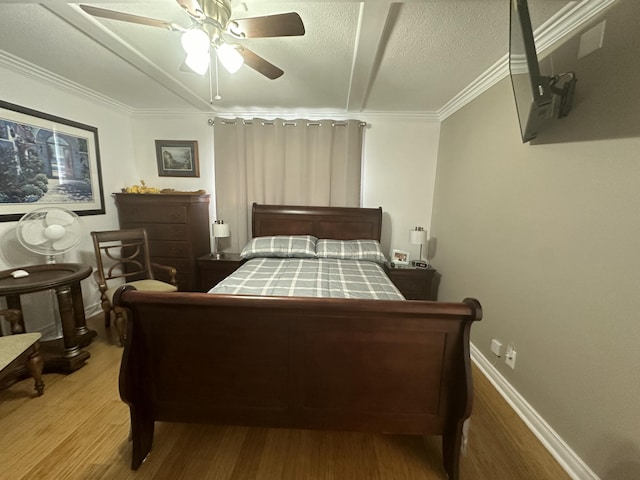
x=565, y=91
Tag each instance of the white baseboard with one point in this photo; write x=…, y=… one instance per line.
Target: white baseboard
x=92, y=310
x=567, y=458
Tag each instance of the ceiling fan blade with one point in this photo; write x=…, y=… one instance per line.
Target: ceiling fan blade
x=192, y=7
x=280, y=25
x=127, y=17
x=259, y=64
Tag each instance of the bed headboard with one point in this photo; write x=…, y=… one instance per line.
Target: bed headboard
x=339, y=223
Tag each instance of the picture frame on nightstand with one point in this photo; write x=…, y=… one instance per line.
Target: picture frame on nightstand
x=399, y=257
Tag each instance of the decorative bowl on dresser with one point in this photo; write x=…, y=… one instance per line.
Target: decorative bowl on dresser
x=177, y=226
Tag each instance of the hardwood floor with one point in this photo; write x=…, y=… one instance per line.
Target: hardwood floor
x=78, y=430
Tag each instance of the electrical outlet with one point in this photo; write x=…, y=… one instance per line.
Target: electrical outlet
x=510, y=357
x=496, y=347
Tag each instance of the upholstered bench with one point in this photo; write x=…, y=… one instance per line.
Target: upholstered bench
x=22, y=349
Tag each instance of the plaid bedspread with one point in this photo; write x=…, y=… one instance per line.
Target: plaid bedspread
x=318, y=277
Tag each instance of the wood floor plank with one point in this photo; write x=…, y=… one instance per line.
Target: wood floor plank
x=294, y=453
x=420, y=455
x=78, y=430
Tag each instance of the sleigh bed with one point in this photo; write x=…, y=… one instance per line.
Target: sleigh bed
x=388, y=366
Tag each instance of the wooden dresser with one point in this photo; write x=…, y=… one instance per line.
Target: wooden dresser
x=177, y=226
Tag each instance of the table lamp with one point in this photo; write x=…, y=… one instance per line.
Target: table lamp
x=418, y=236
x=220, y=230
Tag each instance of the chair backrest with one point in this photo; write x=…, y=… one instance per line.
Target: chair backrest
x=122, y=254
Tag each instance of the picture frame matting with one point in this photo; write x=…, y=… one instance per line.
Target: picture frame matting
x=177, y=158
x=47, y=161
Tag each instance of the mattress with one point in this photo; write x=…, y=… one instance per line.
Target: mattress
x=317, y=277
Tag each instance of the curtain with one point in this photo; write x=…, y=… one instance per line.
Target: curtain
x=288, y=162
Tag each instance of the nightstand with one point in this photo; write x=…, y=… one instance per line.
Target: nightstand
x=212, y=270
x=415, y=283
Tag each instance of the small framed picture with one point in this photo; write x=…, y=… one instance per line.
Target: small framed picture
x=400, y=257
x=177, y=158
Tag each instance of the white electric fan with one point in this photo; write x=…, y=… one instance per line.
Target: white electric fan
x=50, y=231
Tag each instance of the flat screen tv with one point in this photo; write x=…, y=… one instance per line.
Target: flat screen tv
x=532, y=91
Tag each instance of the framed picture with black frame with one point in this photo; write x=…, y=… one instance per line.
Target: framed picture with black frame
x=47, y=161
x=177, y=158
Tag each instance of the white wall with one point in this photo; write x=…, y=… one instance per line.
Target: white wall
x=399, y=172
x=117, y=154
x=148, y=129
x=399, y=163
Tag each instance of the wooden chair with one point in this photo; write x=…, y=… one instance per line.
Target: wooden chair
x=123, y=255
x=14, y=317
x=20, y=350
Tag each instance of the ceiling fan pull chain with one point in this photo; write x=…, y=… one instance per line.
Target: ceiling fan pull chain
x=218, y=97
x=210, y=83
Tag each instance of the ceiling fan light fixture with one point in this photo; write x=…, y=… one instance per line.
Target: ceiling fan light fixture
x=210, y=25
x=195, y=41
x=229, y=57
x=234, y=29
x=198, y=62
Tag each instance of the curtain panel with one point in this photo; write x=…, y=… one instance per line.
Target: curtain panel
x=289, y=162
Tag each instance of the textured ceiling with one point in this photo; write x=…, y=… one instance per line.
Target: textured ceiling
x=373, y=56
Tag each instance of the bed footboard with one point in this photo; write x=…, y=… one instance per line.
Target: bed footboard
x=335, y=364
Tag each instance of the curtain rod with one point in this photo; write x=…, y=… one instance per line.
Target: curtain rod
x=285, y=123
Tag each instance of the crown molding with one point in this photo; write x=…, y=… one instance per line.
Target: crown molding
x=429, y=116
x=563, y=23
x=290, y=114
x=566, y=21
x=21, y=66
x=168, y=112
x=490, y=77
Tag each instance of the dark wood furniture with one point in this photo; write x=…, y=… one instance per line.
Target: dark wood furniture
x=21, y=351
x=415, y=283
x=126, y=253
x=65, y=354
x=213, y=270
x=339, y=223
x=298, y=362
x=177, y=226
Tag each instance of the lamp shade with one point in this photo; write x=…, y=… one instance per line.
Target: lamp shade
x=418, y=236
x=220, y=229
x=229, y=57
x=198, y=62
x=196, y=44
x=195, y=41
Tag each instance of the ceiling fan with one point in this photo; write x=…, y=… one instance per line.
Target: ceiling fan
x=211, y=26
